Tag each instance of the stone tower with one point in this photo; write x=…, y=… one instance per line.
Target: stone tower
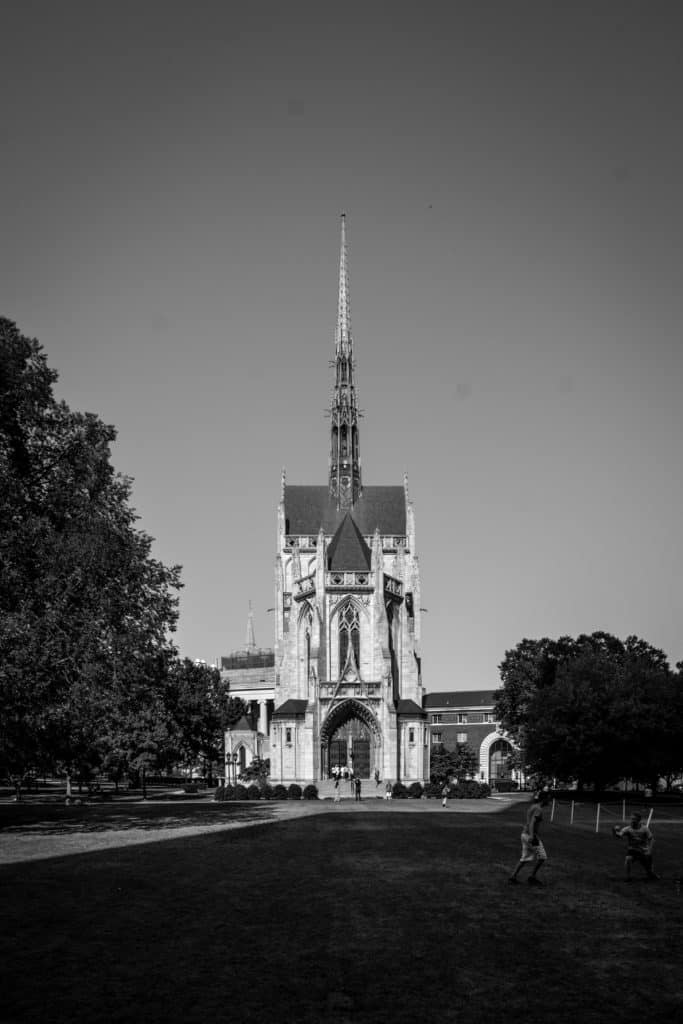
x=348, y=685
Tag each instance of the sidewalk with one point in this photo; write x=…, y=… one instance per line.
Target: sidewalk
x=42, y=840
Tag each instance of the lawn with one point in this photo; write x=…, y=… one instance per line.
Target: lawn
x=369, y=916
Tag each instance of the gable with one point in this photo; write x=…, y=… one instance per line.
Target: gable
x=348, y=549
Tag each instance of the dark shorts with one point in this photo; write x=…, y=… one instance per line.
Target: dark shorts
x=639, y=857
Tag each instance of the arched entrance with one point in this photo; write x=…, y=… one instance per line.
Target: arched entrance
x=350, y=737
x=499, y=752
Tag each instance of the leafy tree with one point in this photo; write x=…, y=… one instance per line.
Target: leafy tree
x=595, y=709
x=449, y=764
x=201, y=710
x=258, y=771
x=85, y=610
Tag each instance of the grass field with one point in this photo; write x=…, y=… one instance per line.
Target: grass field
x=359, y=916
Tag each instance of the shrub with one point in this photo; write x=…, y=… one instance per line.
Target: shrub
x=470, y=789
x=279, y=792
x=506, y=785
x=294, y=791
x=267, y=792
x=241, y=792
x=191, y=787
x=432, y=789
x=415, y=791
x=219, y=793
x=253, y=792
x=399, y=791
x=310, y=792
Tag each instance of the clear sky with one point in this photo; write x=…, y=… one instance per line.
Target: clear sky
x=171, y=182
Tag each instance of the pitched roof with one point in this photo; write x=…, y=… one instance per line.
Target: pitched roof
x=348, y=549
x=309, y=507
x=242, y=725
x=291, y=709
x=460, y=699
x=409, y=709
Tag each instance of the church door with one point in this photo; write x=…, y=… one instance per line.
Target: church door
x=361, y=758
x=338, y=754
x=352, y=747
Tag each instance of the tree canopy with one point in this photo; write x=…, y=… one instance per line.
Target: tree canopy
x=446, y=764
x=200, y=710
x=86, y=611
x=594, y=709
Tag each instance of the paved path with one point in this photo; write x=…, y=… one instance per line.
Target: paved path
x=41, y=840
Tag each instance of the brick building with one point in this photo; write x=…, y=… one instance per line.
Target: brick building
x=467, y=717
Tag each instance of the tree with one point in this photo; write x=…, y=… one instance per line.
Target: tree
x=593, y=710
x=258, y=771
x=85, y=610
x=449, y=764
x=201, y=709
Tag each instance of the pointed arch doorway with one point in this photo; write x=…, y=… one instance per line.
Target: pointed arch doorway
x=350, y=738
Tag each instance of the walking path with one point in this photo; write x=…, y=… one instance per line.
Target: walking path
x=40, y=840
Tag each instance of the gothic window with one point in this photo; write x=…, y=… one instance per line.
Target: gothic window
x=349, y=635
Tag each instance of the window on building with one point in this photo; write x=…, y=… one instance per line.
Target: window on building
x=462, y=737
x=462, y=719
x=436, y=718
x=437, y=737
x=349, y=635
x=288, y=735
x=411, y=735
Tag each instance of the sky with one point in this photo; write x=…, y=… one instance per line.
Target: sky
x=170, y=191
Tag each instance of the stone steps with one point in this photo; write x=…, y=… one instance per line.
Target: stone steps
x=368, y=791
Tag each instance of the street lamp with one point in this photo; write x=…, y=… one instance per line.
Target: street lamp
x=233, y=758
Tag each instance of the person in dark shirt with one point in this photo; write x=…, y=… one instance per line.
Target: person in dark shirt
x=638, y=847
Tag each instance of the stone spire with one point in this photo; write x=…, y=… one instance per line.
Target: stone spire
x=343, y=332
x=345, y=478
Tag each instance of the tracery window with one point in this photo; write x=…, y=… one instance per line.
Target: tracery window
x=349, y=635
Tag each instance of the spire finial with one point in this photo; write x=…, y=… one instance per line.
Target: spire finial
x=345, y=480
x=343, y=332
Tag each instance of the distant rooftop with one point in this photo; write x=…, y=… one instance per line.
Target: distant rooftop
x=248, y=659
x=459, y=699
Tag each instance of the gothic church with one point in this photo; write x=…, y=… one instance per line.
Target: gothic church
x=348, y=688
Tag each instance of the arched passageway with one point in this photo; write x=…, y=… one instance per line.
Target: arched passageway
x=350, y=738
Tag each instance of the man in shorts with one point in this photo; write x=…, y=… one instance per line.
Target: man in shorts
x=639, y=845
x=533, y=850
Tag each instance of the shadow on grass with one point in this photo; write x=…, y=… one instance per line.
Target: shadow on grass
x=379, y=918
x=33, y=819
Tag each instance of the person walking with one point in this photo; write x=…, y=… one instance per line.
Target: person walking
x=357, y=785
x=387, y=791
x=337, y=790
x=445, y=793
x=377, y=779
x=639, y=845
x=533, y=850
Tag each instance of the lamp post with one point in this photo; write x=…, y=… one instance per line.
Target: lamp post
x=233, y=758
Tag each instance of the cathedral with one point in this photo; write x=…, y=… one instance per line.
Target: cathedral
x=347, y=686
